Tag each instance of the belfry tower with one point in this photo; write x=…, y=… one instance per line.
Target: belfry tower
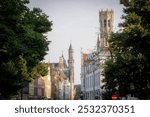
x=106, y=20
x=71, y=68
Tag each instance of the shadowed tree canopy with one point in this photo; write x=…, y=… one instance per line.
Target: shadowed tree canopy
x=23, y=44
x=128, y=72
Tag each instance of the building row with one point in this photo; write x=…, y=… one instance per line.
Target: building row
x=59, y=83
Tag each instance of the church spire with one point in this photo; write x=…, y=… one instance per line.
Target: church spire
x=70, y=47
x=98, y=43
x=71, y=67
x=70, y=53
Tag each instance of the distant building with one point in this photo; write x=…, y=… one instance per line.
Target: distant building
x=62, y=78
x=60, y=83
x=39, y=88
x=92, y=63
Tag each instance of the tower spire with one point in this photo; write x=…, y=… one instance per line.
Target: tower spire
x=70, y=47
x=71, y=68
x=98, y=43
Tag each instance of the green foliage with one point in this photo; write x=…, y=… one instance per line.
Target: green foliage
x=39, y=70
x=128, y=71
x=22, y=65
x=23, y=44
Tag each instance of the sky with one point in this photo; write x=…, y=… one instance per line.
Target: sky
x=75, y=22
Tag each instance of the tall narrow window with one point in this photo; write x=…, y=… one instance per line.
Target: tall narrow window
x=108, y=23
x=35, y=91
x=42, y=91
x=105, y=23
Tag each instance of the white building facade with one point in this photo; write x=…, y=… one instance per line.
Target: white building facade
x=92, y=64
x=90, y=73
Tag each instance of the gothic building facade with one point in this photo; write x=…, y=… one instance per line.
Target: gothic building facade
x=92, y=63
x=62, y=77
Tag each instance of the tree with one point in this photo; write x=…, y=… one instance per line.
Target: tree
x=23, y=45
x=128, y=71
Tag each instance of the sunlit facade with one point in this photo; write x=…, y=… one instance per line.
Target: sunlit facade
x=92, y=64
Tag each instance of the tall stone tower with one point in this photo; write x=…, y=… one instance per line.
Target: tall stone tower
x=106, y=20
x=71, y=67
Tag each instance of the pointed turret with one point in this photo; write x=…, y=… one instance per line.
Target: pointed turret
x=70, y=47
x=98, y=43
x=71, y=53
x=62, y=62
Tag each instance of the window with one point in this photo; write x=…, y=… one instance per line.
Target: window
x=35, y=91
x=105, y=23
x=42, y=91
x=108, y=23
x=36, y=82
x=105, y=42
